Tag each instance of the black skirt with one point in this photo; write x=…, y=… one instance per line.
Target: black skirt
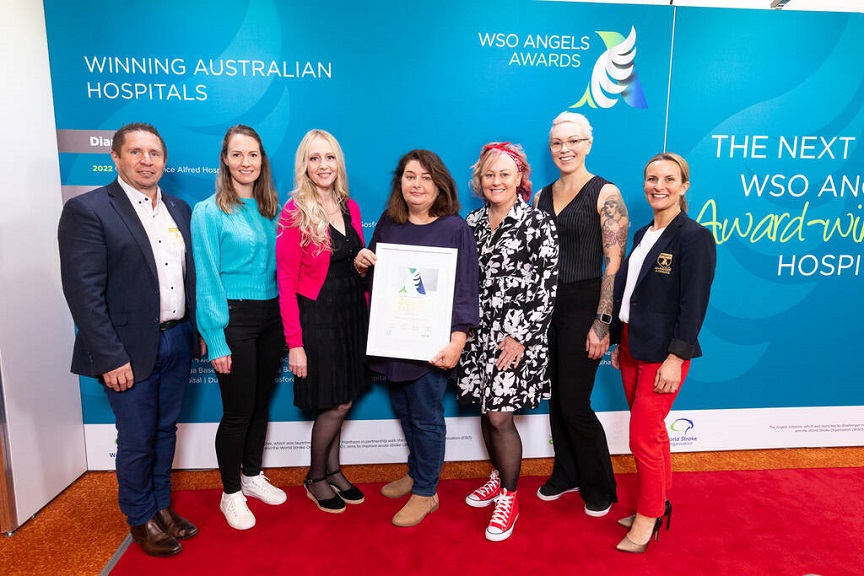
x=334, y=331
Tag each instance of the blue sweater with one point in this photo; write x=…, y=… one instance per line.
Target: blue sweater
x=235, y=259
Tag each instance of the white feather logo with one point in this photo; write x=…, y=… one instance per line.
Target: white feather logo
x=614, y=74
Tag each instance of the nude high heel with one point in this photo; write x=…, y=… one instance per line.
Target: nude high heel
x=627, y=522
x=627, y=545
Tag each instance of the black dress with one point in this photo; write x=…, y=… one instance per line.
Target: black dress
x=334, y=331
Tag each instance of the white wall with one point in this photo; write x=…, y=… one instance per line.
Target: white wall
x=44, y=429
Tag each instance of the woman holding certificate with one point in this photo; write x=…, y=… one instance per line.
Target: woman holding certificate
x=661, y=296
x=504, y=365
x=323, y=308
x=423, y=211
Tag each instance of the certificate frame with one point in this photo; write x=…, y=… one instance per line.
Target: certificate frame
x=411, y=305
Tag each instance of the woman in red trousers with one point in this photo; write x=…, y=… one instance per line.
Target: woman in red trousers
x=661, y=296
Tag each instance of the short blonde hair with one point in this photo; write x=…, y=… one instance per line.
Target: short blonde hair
x=489, y=153
x=581, y=122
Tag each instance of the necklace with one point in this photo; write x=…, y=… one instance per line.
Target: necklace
x=333, y=208
x=328, y=203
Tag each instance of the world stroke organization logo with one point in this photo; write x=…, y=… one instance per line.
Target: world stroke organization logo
x=614, y=76
x=680, y=432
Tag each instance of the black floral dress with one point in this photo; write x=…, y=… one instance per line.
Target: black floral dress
x=518, y=281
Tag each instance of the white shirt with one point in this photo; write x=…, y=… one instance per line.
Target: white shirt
x=169, y=251
x=637, y=259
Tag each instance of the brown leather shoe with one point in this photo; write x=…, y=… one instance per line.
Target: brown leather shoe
x=154, y=540
x=175, y=524
x=415, y=510
x=398, y=488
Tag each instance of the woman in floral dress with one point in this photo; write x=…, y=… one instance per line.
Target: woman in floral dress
x=504, y=363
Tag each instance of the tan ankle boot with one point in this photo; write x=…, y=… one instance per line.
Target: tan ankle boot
x=398, y=488
x=415, y=510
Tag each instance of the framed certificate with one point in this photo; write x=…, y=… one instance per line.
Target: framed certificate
x=412, y=301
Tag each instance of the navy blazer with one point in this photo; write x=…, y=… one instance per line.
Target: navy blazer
x=670, y=298
x=109, y=279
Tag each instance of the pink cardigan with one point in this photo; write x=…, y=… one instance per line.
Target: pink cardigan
x=300, y=270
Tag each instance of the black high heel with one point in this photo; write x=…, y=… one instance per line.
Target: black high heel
x=656, y=532
x=668, y=514
x=334, y=505
x=627, y=545
x=352, y=495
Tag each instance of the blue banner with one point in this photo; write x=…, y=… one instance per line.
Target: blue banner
x=769, y=116
x=771, y=119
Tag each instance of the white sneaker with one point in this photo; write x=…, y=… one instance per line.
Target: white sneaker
x=261, y=488
x=236, y=511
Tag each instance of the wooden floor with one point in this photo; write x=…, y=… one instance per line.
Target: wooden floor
x=79, y=531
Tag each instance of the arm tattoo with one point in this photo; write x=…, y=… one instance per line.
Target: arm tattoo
x=614, y=224
x=607, y=286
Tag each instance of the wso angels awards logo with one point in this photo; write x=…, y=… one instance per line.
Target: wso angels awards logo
x=614, y=76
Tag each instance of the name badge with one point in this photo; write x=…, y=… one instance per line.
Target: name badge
x=176, y=237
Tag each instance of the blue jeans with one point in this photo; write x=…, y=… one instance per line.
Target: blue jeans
x=146, y=417
x=419, y=406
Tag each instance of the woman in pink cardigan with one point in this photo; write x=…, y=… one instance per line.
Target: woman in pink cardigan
x=323, y=308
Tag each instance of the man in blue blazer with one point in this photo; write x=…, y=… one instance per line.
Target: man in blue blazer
x=129, y=281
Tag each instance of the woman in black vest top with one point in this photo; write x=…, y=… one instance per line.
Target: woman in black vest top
x=592, y=233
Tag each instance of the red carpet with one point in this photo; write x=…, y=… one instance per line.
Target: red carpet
x=777, y=522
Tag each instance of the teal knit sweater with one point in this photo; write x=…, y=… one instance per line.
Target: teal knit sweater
x=235, y=259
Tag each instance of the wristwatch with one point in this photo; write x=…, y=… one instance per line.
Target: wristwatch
x=604, y=318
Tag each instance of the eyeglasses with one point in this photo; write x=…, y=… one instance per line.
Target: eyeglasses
x=558, y=145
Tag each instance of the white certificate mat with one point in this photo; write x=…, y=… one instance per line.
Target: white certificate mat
x=412, y=301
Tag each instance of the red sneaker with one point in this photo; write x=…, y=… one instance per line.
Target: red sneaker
x=486, y=494
x=504, y=517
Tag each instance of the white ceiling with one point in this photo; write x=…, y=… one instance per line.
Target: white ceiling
x=818, y=5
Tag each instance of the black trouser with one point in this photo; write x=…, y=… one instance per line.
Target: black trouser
x=254, y=335
x=581, y=452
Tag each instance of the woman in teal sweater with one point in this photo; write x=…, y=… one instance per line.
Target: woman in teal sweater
x=233, y=243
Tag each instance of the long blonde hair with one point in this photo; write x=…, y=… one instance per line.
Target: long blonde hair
x=310, y=216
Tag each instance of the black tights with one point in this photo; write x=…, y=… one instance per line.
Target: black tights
x=326, y=439
x=504, y=446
